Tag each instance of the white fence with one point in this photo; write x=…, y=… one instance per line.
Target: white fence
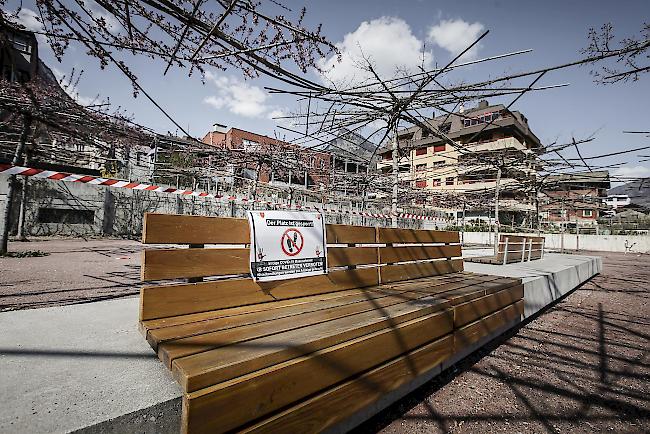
x=604, y=243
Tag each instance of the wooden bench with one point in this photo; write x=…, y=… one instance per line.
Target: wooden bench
x=514, y=248
x=304, y=355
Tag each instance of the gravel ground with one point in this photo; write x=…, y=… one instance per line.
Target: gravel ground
x=582, y=366
x=76, y=271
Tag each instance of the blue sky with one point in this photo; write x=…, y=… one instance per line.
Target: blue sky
x=392, y=31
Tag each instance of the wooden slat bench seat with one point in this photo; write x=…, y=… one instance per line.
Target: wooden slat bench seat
x=303, y=355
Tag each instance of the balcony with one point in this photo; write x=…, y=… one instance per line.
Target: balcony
x=496, y=145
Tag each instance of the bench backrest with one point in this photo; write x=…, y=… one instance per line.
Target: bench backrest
x=515, y=248
x=215, y=264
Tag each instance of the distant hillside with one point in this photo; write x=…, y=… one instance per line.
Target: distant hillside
x=639, y=191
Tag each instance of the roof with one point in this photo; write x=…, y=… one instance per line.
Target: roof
x=514, y=119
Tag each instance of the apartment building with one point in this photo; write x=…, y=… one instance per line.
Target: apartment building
x=431, y=163
x=481, y=133
x=574, y=198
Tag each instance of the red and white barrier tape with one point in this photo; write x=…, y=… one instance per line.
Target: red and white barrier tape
x=8, y=169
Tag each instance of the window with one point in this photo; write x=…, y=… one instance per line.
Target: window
x=587, y=213
x=482, y=119
x=426, y=133
x=436, y=182
x=439, y=148
x=405, y=137
x=421, y=151
x=420, y=167
x=66, y=215
x=421, y=183
x=438, y=164
x=449, y=181
x=388, y=156
x=21, y=43
x=445, y=128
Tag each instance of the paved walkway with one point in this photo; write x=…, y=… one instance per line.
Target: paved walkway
x=75, y=271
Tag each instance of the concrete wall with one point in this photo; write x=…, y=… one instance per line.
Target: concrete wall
x=604, y=243
x=119, y=211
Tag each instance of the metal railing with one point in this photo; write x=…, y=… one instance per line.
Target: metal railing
x=524, y=249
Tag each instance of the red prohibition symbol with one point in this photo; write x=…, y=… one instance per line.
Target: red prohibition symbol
x=292, y=242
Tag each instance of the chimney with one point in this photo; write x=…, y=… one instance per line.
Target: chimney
x=483, y=104
x=219, y=128
x=461, y=109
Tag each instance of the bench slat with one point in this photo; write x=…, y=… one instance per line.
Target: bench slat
x=474, y=331
x=348, y=234
x=336, y=404
x=188, y=229
x=159, y=264
x=393, y=235
x=181, y=299
x=260, y=393
x=263, y=307
x=471, y=311
x=417, y=253
x=395, y=273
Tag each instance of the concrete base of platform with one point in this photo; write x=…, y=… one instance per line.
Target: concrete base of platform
x=87, y=368
x=547, y=279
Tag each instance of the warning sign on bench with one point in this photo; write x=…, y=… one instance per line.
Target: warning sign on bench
x=287, y=244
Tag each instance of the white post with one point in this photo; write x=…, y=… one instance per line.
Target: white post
x=496, y=212
x=530, y=248
x=523, y=249
x=505, y=251
x=395, y=154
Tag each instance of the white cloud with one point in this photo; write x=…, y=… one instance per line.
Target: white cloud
x=276, y=113
x=30, y=20
x=238, y=97
x=631, y=172
x=387, y=41
x=456, y=35
x=98, y=12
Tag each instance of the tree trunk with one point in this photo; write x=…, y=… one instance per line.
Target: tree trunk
x=27, y=123
x=23, y=207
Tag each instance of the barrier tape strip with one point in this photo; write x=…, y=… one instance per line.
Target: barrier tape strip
x=9, y=169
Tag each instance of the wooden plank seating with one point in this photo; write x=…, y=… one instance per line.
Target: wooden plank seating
x=304, y=355
x=514, y=248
